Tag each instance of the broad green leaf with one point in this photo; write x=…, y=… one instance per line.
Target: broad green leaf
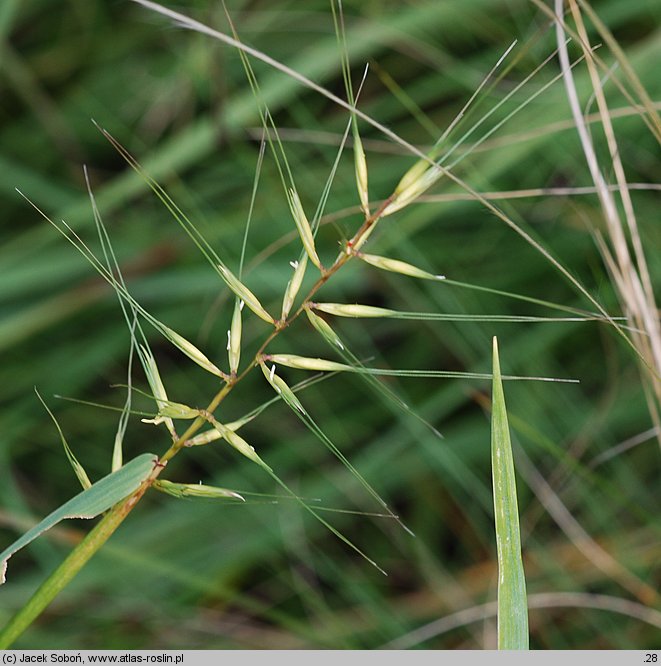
x=102, y=495
x=512, y=601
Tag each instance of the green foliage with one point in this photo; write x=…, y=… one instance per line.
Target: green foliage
x=265, y=573
x=512, y=601
x=89, y=503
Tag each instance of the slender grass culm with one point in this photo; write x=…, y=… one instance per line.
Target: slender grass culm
x=308, y=360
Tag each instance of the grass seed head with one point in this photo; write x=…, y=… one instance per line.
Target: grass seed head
x=305, y=362
x=294, y=285
x=177, y=410
x=403, y=197
x=360, y=164
x=240, y=444
x=324, y=328
x=353, y=310
x=192, y=351
x=281, y=387
x=182, y=490
x=303, y=226
x=245, y=294
x=397, y=266
x=234, y=338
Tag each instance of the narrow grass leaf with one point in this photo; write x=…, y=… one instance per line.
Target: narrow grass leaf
x=96, y=499
x=185, y=490
x=512, y=603
x=79, y=470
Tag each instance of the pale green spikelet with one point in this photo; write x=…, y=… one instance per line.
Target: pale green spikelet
x=397, y=266
x=245, y=294
x=305, y=362
x=237, y=442
x=360, y=165
x=204, y=438
x=353, y=310
x=281, y=387
x=214, y=435
x=303, y=226
x=177, y=410
x=154, y=377
x=294, y=285
x=234, y=338
x=191, y=351
x=418, y=186
x=364, y=236
x=183, y=490
x=411, y=176
x=156, y=386
x=324, y=328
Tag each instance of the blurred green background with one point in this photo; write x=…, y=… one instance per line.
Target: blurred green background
x=199, y=574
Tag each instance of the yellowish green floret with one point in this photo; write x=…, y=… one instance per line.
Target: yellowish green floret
x=245, y=294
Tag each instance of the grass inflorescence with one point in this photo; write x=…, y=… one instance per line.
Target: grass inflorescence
x=338, y=307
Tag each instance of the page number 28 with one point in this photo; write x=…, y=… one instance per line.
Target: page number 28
x=651, y=658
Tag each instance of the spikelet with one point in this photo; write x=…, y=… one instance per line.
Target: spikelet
x=234, y=338
x=360, y=165
x=324, y=328
x=418, y=185
x=237, y=442
x=182, y=490
x=177, y=410
x=281, y=387
x=397, y=266
x=294, y=285
x=191, y=351
x=352, y=310
x=303, y=226
x=305, y=362
x=244, y=294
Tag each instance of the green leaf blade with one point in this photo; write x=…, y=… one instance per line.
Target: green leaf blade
x=512, y=600
x=100, y=497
